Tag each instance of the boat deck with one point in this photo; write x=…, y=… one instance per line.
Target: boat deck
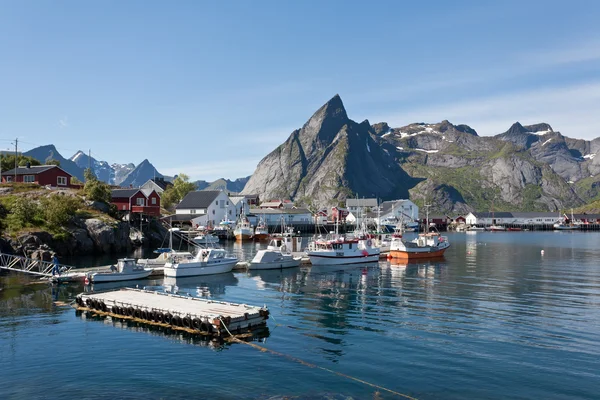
x=191, y=313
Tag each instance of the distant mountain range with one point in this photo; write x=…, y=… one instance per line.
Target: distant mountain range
x=526, y=168
x=124, y=175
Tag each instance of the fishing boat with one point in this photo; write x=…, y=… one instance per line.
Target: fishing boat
x=495, y=228
x=243, y=230
x=261, y=231
x=566, y=223
x=426, y=245
x=205, y=262
x=278, y=254
x=126, y=269
x=339, y=249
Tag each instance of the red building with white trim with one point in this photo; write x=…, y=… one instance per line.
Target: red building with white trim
x=135, y=201
x=44, y=175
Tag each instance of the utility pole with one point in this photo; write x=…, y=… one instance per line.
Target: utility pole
x=16, y=156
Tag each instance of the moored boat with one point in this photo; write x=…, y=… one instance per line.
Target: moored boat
x=261, y=231
x=205, y=238
x=278, y=254
x=205, y=262
x=428, y=245
x=125, y=270
x=338, y=250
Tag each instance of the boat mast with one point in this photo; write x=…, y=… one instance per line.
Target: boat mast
x=427, y=217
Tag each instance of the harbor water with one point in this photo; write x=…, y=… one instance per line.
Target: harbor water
x=502, y=315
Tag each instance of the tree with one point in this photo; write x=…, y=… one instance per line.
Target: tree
x=94, y=189
x=7, y=161
x=53, y=162
x=22, y=212
x=174, y=194
x=58, y=210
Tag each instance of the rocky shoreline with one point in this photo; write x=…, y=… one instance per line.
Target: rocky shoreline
x=84, y=237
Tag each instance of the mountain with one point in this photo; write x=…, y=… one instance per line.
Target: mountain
x=140, y=175
x=121, y=171
x=451, y=167
x=49, y=152
x=235, y=186
x=329, y=159
x=101, y=169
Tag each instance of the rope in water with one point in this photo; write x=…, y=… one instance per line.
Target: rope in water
x=298, y=360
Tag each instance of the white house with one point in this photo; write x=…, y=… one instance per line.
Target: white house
x=354, y=205
x=398, y=209
x=206, y=207
x=239, y=202
x=159, y=185
x=272, y=217
x=511, y=218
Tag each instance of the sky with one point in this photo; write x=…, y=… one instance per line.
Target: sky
x=210, y=88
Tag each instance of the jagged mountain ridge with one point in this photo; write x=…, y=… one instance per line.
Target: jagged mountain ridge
x=331, y=157
x=101, y=169
x=235, y=186
x=49, y=152
x=118, y=174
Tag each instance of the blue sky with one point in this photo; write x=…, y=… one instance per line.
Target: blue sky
x=210, y=88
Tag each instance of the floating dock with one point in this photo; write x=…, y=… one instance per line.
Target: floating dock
x=192, y=314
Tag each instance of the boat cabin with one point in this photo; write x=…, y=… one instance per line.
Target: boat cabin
x=285, y=244
x=126, y=265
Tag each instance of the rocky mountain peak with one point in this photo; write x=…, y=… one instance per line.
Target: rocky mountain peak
x=380, y=128
x=539, y=128
x=516, y=129
x=321, y=129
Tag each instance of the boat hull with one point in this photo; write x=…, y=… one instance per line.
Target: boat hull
x=294, y=262
x=197, y=269
x=261, y=236
x=417, y=254
x=100, y=277
x=326, y=259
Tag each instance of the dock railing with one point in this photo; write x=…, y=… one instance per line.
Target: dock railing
x=30, y=266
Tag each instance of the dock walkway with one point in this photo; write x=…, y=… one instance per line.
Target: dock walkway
x=192, y=313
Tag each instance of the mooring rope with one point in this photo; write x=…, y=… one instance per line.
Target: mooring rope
x=300, y=361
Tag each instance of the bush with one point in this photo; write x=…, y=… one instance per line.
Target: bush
x=59, y=210
x=23, y=212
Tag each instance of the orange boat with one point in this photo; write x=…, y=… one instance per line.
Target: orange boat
x=423, y=247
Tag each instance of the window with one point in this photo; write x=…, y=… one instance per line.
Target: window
x=29, y=178
x=213, y=212
x=217, y=203
x=227, y=202
x=62, y=180
x=229, y=212
x=153, y=200
x=9, y=179
x=140, y=201
x=192, y=211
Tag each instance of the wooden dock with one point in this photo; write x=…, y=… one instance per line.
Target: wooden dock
x=192, y=314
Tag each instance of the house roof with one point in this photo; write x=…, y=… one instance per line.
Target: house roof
x=497, y=214
x=271, y=203
x=259, y=211
x=33, y=170
x=161, y=183
x=198, y=199
x=361, y=203
x=123, y=193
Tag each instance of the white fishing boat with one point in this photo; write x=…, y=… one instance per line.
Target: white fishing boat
x=566, y=223
x=125, y=270
x=205, y=262
x=278, y=254
x=338, y=250
x=243, y=230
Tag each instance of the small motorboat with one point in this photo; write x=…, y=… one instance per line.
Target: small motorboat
x=278, y=254
x=125, y=270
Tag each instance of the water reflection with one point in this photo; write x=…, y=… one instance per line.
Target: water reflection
x=200, y=286
x=259, y=335
x=138, y=284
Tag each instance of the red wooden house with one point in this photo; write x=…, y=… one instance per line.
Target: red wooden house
x=45, y=175
x=136, y=201
x=339, y=214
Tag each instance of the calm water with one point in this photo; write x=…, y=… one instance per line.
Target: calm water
x=495, y=319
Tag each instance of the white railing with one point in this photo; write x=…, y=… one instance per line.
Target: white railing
x=30, y=266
